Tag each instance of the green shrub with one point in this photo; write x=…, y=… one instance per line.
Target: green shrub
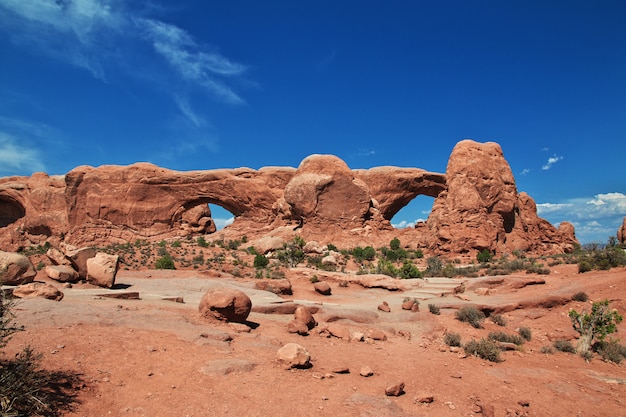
x=526, y=333
x=580, y=296
x=202, y=242
x=484, y=349
x=165, y=262
x=434, y=309
x=176, y=244
x=409, y=270
x=260, y=261
x=595, y=325
x=452, y=339
x=484, y=256
x=314, y=279
x=498, y=319
x=584, y=266
x=506, y=338
x=471, y=315
x=332, y=247
x=564, y=346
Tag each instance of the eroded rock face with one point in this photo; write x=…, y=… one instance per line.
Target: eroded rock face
x=621, y=233
x=481, y=208
x=476, y=206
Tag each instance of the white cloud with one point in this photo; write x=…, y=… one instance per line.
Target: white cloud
x=525, y=171
x=96, y=34
x=222, y=223
x=551, y=161
x=17, y=158
x=594, y=218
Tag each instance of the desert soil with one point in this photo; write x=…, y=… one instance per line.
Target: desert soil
x=156, y=357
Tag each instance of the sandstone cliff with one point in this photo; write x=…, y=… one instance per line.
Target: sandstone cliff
x=477, y=205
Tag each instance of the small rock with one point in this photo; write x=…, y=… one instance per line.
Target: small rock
x=424, y=398
x=407, y=305
x=384, y=307
x=322, y=287
x=341, y=370
x=487, y=410
x=376, y=334
x=298, y=327
x=395, y=390
x=357, y=336
x=366, y=371
x=294, y=355
x=524, y=403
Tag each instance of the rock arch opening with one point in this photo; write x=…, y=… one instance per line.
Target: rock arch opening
x=10, y=211
x=417, y=210
x=221, y=216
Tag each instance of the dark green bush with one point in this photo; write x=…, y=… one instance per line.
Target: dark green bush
x=409, y=270
x=165, y=262
x=202, y=242
x=260, y=261
x=484, y=349
x=484, y=256
x=471, y=315
x=452, y=339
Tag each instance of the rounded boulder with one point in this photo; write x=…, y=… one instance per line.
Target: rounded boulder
x=225, y=304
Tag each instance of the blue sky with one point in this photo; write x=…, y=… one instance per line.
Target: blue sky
x=218, y=84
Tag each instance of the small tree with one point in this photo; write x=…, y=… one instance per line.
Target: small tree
x=260, y=261
x=484, y=256
x=597, y=324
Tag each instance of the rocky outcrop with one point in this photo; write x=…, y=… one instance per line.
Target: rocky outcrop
x=482, y=210
x=621, y=233
x=476, y=206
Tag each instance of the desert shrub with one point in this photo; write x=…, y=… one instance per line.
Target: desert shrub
x=484, y=349
x=498, y=319
x=198, y=260
x=584, y=266
x=409, y=270
x=25, y=388
x=506, y=338
x=610, y=351
x=344, y=284
x=260, y=261
x=526, y=333
x=484, y=256
x=367, y=253
x=387, y=268
x=314, y=279
x=176, y=244
x=547, y=350
x=292, y=254
x=434, y=309
x=165, y=262
x=452, y=339
x=332, y=247
x=564, y=346
x=418, y=254
x=580, y=296
x=595, y=325
x=202, y=242
x=433, y=266
x=471, y=315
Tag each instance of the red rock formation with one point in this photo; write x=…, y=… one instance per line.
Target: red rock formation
x=476, y=207
x=621, y=233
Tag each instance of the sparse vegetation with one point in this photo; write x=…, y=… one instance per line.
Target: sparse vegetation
x=506, y=338
x=471, y=315
x=484, y=349
x=610, y=351
x=434, y=309
x=580, y=296
x=165, y=262
x=498, y=319
x=452, y=339
x=526, y=333
x=564, y=346
x=548, y=350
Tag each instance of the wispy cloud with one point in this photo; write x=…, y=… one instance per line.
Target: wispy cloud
x=595, y=218
x=15, y=157
x=98, y=36
x=551, y=161
x=222, y=223
x=525, y=171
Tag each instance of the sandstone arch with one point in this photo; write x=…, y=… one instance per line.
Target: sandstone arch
x=10, y=210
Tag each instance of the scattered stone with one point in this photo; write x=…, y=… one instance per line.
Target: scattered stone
x=424, y=398
x=376, y=334
x=395, y=390
x=101, y=269
x=61, y=273
x=366, y=371
x=487, y=410
x=38, y=289
x=180, y=300
x=16, y=269
x=384, y=306
x=303, y=315
x=482, y=291
x=79, y=257
x=276, y=286
x=322, y=287
x=225, y=304
x=524, y=403
x=357, y=336
x=240, y=327
x=294, y=355
x=337, y=330
x=298, y=327
x=415, y=307
x=341, y=370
